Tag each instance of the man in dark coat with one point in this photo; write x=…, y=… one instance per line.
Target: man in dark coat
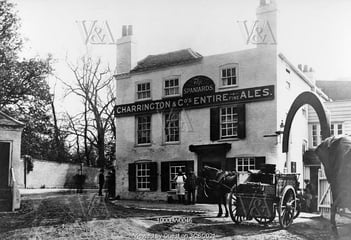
x=79, y=180
x=101, y=181
x=191, y=183
x=110, y=184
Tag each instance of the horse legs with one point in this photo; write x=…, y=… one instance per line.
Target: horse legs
x=219, y=202
x=224, y=200
x=332, y=218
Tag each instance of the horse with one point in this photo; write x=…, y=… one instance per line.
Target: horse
x=220, y=183
x=335, y=155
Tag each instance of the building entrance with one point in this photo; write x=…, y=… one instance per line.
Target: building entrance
x=4, y=164
x=213, y=155
x=5, y=191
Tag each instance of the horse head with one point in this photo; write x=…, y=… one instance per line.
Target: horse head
x=210, y=172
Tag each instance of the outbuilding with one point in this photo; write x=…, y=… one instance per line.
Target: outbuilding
x=10, y=150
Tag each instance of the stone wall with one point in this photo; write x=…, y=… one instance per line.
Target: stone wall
x=56, y=175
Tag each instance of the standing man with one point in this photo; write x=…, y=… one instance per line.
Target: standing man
x=101, y=181
x=191, y=183
x=308, y=195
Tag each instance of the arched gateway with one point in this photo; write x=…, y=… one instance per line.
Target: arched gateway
x=313, y=100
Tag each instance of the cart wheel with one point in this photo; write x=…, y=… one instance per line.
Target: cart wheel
x=233, y=205
x=263, y=220
x=298, y=207
x=286, y=207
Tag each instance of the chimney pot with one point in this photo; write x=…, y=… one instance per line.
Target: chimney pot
x=299, y=67
x=130, y=30
x=124, y=30
x=305, y=68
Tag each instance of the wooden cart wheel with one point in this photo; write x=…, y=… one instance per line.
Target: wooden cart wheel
x=233, y=201
x=263, y=220
x=298, y=207
x=286, y=207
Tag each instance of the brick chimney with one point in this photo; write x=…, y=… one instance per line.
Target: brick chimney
x=126, y=51
x=267, y=15
x=308, y=71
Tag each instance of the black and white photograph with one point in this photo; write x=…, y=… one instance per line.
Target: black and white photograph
x=175, y=119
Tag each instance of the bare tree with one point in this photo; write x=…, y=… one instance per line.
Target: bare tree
x=93, y=84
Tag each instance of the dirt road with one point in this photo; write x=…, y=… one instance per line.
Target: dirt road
x=87, y=216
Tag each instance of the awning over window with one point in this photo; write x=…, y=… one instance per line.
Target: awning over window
x=311, y=158
x=221, y=147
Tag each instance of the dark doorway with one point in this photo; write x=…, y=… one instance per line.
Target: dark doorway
x=314, y=182
x=213, y=155
x=212, y=160
x=4, y=164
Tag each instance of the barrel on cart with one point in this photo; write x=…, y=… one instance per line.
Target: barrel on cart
x=262, y=196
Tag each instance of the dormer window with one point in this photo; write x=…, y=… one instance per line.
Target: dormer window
x=143, y=91
x=229, y=75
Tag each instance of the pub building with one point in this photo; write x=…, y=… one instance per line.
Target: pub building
x=182, y=110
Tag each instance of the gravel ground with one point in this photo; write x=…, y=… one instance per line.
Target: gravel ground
x=87, y=216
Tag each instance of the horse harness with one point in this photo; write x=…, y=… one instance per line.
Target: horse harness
x=220, y=178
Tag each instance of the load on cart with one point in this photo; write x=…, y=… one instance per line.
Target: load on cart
x=263, y=194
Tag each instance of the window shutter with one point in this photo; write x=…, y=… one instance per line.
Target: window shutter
x=230, y=164
x=153, y=176
x=259, y=161
x=164, y=176
x=214, y=124
x=241, y=121
x=132, y=177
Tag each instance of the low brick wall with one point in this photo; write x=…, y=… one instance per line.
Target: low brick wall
x=56, y=175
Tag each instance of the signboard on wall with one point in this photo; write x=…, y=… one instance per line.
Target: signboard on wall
x=198, y=86
x=245, y=95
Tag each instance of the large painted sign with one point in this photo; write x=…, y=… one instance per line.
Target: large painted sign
x=246, y=95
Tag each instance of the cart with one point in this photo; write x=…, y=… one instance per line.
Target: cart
x=262, y=196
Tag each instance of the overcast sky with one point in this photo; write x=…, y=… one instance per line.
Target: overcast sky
x=313, y=32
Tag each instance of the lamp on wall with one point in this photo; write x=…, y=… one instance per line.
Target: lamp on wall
x=280, y=131
x=277, y=133
x=281, y=128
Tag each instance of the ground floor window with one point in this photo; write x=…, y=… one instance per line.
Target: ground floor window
x=170, y=169
x=142, y=176
x=244, y=164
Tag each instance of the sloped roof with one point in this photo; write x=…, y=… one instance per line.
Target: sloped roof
x=152, y=62
x=8, y=121
x=336, y=90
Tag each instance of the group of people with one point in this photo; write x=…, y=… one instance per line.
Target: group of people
x=186, y=183
x=108, y=183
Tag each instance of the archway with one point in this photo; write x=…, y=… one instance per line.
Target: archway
x=313, y=100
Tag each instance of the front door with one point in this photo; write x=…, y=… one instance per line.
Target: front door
x=4, y=164
x=314, y=182
x=213, y=159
